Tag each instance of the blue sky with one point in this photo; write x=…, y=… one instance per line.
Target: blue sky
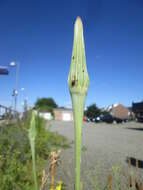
x=39, y=35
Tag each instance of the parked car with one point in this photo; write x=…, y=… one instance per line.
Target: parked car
x=98, y=119
x=87, y=119
x=1, y=117
x=107, y=118
x=92, y=120
x=110, y=119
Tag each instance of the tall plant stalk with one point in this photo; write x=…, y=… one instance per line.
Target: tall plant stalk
x=32, y=137
x=78, y=82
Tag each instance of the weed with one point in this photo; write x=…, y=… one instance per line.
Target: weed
x=15, y=154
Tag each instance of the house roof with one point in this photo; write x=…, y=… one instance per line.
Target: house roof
x=109, y=108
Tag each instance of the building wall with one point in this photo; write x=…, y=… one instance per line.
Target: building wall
x=58, y=115
x=120, y=111
x=63, y=115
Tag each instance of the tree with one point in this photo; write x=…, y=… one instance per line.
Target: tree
x=92, y=111
x=45, y=103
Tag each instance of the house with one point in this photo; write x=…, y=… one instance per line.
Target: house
x=46, y=115
x=60, y=114
x=119, y=111
x=137, y=109
x=63, y=114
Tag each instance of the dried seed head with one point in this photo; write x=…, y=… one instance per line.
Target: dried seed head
x=78, y=79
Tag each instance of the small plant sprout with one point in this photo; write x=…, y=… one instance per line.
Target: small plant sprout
x=32, y=137
x=78, y=82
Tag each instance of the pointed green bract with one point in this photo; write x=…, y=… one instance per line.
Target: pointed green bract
x=78, y=77
x=32, y=136
x=32, y=130
x=78, y=82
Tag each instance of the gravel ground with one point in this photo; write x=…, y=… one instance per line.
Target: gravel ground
x=104, y=145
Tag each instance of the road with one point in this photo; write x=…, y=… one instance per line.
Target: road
x=104, y=145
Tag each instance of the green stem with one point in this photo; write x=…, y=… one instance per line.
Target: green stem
x=34, y=164
x=78, y=82
x=78, y=101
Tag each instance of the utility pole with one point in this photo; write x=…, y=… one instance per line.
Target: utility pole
x=15, y=91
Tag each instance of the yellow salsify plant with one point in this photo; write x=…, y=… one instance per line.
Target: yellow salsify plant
x=78, y=82
x=32, y=136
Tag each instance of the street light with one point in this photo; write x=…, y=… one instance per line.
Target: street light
x=24, y=100
x=15, y=91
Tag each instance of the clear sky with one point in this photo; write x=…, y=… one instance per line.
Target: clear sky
x=39, y=35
